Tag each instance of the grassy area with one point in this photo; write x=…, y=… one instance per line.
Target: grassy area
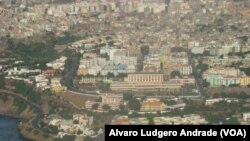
x=27, y=91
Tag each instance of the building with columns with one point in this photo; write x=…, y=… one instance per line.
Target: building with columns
x=146, y=82
x=145, y=78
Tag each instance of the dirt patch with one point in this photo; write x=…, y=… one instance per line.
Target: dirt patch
x=7, y=107
x=78, y=100
x=34, y=134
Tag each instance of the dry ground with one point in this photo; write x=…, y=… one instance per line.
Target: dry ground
x=78, y=100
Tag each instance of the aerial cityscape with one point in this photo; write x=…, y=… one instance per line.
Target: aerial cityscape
x=69, y=67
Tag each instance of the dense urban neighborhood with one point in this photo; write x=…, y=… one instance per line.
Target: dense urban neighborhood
x=69, y=67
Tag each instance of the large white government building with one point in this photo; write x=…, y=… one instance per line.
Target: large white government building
x=146, y=82
x=145, y=78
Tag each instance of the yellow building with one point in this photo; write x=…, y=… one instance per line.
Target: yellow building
x=82, y=71
x=152, y=106
x=245, y=81
x=57, y=89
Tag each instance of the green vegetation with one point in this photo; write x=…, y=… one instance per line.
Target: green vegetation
x=66, y=39
x=110, y=75
x=27, y=91
x=95, y=106
x=66, y=138
x=71, y=66
x=106, y=107
x=75, y=122
x=21, y=106
x=145, y=50
x=34, y=55
x=4, y=97
x=246, y=70
x=65, y=113
x=241, y=95
x=203, y=67
x=122, y=107
x=2, y=82
x=150, y=120
x=175, y=73
x=205, y=83
x=52, y=106
x=127, y=96
x=134, y=104
x=50, y=129
x=87, y=138
x=220, y=112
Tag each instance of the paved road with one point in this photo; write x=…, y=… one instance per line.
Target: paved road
x=40, y=114
x=85, y=94
x=198, y=79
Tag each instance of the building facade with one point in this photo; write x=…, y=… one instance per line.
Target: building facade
x=113, y=100
x=145, y=78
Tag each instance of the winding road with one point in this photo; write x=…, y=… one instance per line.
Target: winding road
x=38, y=109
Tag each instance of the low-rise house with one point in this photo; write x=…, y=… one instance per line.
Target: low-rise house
x=57, y=64
x=177, y=120
x=56, y=85
x=152, y=106
x=48, y=72
x=212, y=101
x=184, y=80
x=120, y=120
x=113, y=100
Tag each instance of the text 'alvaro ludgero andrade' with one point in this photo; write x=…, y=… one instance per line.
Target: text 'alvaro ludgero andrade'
x=195, y=133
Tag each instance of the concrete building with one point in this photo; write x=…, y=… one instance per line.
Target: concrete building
x=185, y=69
x=245, y=81
x=146, y=82
x=145, y=78
x=120, y=120
x=184, y=80
x=113, y=100
x=152, y=106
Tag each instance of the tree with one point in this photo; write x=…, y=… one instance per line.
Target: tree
x=106, y=107
x=175, y=73
x=53, y=129
x=150, y=120
x=66, y=138
x=243, y=95
x=87, y=138
x=202, y=67
x=95, y=106
x=127, y=96
x=122, y=75
x=145, y=50
x=4, y=97
x=110, y=75
x=75, y=122
x=246, y=70
x=232, y=121
x=121, y=107
x=134, y=104
x=205, y=83
x=79, y=132
x=2, y=81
